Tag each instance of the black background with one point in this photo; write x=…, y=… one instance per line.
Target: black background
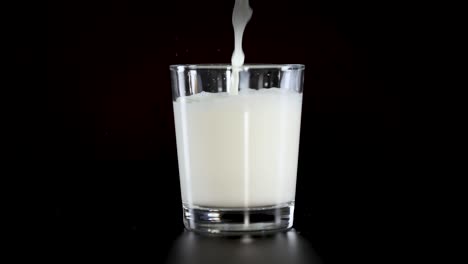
x=103, y=123
x=108, y=91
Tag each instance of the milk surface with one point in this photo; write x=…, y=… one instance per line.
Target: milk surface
x=238, y=150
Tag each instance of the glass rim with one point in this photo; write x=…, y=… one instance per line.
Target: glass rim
x=247, y=66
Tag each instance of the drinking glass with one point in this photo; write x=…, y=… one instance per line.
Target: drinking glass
x=237, y=145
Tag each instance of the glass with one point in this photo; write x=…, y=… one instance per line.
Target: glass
x=237, y=149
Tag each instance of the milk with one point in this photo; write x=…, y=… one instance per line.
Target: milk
x=238, y=151
x=240, y=17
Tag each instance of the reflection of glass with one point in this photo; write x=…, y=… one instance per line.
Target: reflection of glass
x=237, y=150
x=288, y=247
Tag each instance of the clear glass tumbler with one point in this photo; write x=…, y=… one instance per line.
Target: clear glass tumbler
x=237, y=148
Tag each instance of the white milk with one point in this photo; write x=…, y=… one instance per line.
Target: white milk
x=238, y=151
x=240, y=17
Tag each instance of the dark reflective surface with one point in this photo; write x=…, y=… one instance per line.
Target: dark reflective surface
x=285, y=247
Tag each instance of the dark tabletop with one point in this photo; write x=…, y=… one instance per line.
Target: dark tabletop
x=133, y=213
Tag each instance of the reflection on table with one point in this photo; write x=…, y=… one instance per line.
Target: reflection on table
x=285, y=247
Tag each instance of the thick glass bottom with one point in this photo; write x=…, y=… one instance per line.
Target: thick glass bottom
x=235, y=221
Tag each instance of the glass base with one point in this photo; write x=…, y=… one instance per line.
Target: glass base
x=236, y=221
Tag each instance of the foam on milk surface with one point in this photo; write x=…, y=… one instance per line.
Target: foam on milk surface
x=238, y=151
